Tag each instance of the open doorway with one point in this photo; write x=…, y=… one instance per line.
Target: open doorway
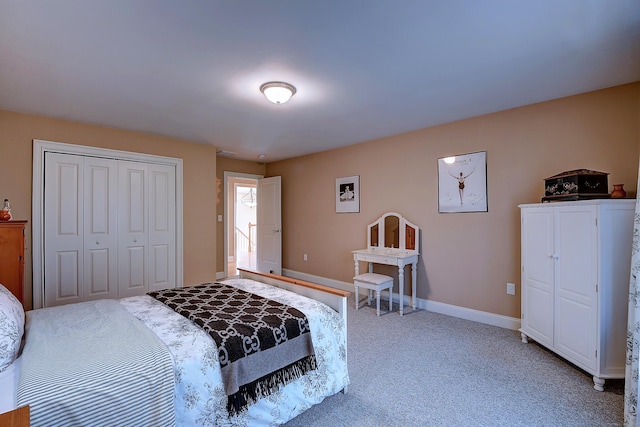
x=241, y=224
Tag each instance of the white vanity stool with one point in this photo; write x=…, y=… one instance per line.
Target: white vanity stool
x=374, y=282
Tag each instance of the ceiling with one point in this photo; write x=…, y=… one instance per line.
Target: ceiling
x=363, y=69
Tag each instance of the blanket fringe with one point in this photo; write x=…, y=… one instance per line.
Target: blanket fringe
x=262, y=387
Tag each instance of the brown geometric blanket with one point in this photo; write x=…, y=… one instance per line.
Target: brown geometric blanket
x=262, y=344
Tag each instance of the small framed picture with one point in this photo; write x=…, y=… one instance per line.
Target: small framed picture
x=462, y=183
x=348, y=194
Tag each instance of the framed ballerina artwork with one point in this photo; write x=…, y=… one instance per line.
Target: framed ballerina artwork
x=462, y=183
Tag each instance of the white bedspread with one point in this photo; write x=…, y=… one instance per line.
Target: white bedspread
x=93, y=363
x=200, y=398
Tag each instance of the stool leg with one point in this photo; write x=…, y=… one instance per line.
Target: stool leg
x=357, y=302
x=378, y=302
x=390, y=300
x=369, y=296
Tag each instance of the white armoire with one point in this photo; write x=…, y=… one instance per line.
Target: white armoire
x=109, y=225
x=576, y=259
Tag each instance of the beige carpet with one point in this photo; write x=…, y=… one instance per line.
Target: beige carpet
x=427, y=369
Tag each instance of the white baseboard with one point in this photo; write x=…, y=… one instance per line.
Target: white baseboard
x=220, y=275
x=437, y=307
x=499, y=320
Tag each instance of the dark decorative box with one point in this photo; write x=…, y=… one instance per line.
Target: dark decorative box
x=579, y=184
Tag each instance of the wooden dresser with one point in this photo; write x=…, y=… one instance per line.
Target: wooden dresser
x=12, y=256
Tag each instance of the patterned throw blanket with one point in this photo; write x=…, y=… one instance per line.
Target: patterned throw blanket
x=262, y=344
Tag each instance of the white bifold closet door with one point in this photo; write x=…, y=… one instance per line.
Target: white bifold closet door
x=146, y=228
x=109, y=228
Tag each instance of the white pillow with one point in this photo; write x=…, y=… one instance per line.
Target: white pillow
x=11, y=327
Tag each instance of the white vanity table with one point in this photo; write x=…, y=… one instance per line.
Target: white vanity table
x=392, y=240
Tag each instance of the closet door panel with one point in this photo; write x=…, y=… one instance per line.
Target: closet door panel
x=100, y=228
x=67, y=280
x=97, y=275
x=63, y=224
x=134, y=274
x=162, y=233
x=133, y=229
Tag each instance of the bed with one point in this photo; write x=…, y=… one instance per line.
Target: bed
x=163, y=369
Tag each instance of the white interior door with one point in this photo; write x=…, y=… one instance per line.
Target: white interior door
x=133, y=229
x=79, y=199
x=147, y=228
x=63, y=224
x=269, y=234
x=110, y=228
x=100, y=228
x=162, y=227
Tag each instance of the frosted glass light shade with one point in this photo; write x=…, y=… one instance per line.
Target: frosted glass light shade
x=278, y=92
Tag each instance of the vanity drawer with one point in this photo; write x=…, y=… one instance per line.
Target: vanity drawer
x=378, y=259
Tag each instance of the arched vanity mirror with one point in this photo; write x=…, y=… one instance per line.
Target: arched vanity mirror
x=374, y=231
x=393, y=231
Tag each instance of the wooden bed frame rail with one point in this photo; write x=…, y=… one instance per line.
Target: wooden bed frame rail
x=334, y=298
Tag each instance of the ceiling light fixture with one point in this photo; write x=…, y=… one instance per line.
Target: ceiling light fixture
x=250, y=198
x=278, y=92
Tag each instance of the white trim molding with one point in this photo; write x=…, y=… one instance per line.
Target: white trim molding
x=434, y=306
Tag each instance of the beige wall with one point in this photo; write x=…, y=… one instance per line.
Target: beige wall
x=225, y=164
x=17, y=131
x=466, y=258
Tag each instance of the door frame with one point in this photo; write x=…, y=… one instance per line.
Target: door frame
x=40, y=148
x=226, y=219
